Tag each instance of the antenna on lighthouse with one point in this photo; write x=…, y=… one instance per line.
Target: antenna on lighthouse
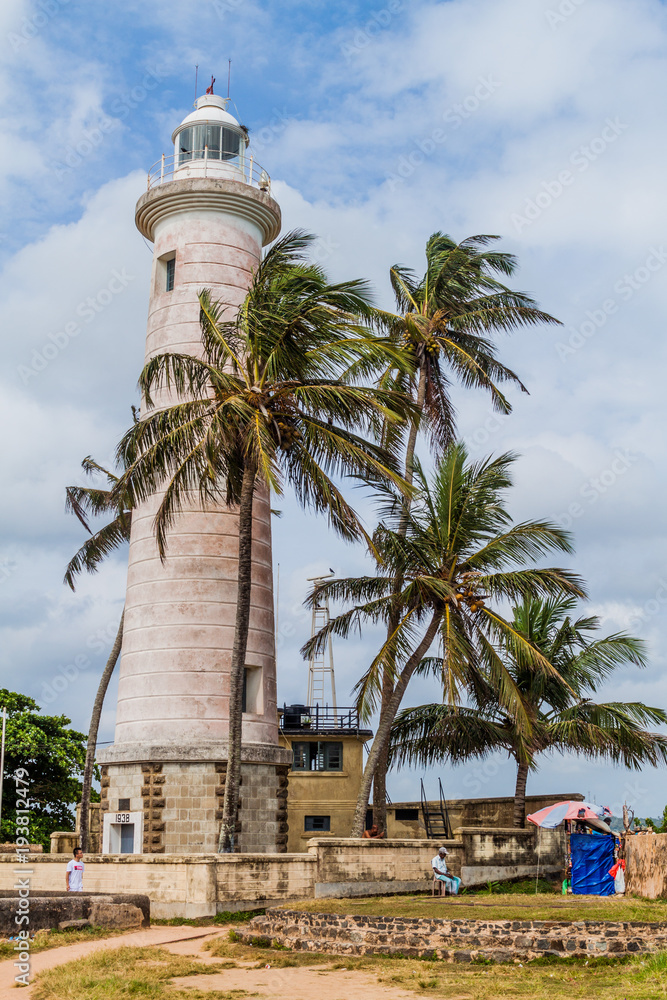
x=196, y=75
x=229, y=77
x=321, y=664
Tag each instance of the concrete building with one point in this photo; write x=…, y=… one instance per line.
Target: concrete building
x=327, y=763
x=208, y=212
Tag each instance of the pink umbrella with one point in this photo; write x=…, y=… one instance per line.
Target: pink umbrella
x=552, y=816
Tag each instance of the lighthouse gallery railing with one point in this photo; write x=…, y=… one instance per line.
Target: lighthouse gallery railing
x=209, y=163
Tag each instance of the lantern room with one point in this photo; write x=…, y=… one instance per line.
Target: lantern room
x=210, y=132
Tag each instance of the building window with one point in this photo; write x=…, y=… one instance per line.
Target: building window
x=406, y=815
x=123, y=805
x=251, y=699
x=171, y=271
x=317, y=824
x=317, y=756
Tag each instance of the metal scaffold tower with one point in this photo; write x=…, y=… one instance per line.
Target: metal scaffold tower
x=321, y=665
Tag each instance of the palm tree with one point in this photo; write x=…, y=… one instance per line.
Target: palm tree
x=458, y=558
x=562, y=715
x=268, y=402
x=84, y=502
x=444, y=322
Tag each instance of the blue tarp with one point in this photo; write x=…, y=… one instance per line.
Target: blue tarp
x=592, y=857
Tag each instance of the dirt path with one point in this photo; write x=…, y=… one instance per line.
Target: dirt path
x=44, y=960
x=300, y=983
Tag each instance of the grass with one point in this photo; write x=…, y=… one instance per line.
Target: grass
x=490, y=905
x=146, y=972
x=226, y=917
x=278, y=957
x=123, y=973
x=44, y=940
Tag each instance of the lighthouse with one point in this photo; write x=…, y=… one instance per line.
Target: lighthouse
x=208, y=211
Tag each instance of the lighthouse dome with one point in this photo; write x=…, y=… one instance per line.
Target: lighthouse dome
x=211, y=129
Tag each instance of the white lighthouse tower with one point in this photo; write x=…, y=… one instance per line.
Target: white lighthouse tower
x=208, y=212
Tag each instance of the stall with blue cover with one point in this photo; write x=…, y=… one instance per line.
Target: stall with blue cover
x=592, y=857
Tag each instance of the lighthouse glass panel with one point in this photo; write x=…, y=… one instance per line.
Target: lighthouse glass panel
x=223, y=143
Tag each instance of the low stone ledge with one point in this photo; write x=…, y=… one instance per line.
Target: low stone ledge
x=346, y=890
x=47, y=910
x=454, y=940
x=474, y=875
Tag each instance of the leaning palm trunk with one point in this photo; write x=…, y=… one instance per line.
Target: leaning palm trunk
x=520, y=795
x=93, y=731
x=231, y=800
x=381, y=741
x=380, y=775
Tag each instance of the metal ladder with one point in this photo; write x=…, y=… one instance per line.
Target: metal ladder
x=436, y=819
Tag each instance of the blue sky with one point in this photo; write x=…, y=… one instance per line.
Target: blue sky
x=537, y=120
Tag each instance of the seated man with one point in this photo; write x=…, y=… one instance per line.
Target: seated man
x=439, y=865
x=375, y=832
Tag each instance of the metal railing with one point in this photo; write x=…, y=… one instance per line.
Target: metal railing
x=207, y=163
x=320, y=719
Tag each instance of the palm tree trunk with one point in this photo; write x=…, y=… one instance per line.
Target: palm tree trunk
x=381, y=741
x=380, y=775
x=230, y=806
x=414, y=429
x=520, y=795
x=93, y=732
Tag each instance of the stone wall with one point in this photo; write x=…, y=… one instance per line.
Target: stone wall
x=165, y=792
x=646, y=865
x=11, y=849
x=180, y=885
x=47, y=910
x=498, y=855
x=453, y=940
x=181, y=804
x=94, y=828
x=350, y=867
x=497, y=812
x=250, y=882
x=199, y=885
x=64, y=842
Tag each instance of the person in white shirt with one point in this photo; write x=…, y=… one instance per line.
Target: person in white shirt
x=439, y=865
x=74, y=873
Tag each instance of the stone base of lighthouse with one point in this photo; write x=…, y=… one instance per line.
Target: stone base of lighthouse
x=168, y=799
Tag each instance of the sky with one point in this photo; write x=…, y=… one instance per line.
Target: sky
x=539, y=121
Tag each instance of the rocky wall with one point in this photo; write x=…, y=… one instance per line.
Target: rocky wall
x=40, y=910
x=452, y=940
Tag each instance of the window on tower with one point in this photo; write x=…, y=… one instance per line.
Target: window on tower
x=252, y=691
x=222, y=143
x=170, y=274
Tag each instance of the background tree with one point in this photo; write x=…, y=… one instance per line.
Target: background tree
x=443, y=324
x=562, y=716
x=270, y=401
x=54, y=755
x=86, y=502
x=459, y=558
